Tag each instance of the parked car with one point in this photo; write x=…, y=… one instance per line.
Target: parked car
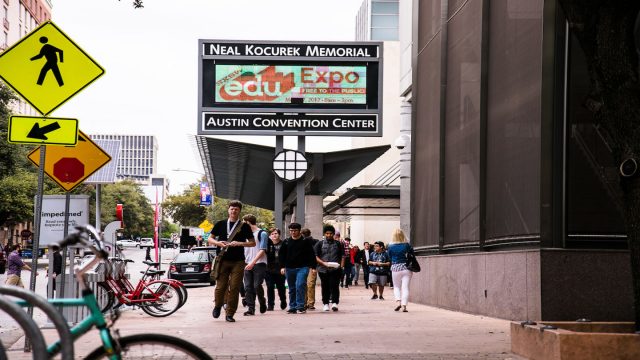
x=145, y=242
x=126, y=243
x=191, y=267
x=211, y=250
x=168, y=243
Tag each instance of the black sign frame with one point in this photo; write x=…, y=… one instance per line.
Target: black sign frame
x=220, y=52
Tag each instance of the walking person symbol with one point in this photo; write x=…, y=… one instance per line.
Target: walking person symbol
x=50, y=53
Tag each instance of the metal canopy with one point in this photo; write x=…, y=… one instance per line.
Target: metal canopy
x=366, y=200
x=243, y=171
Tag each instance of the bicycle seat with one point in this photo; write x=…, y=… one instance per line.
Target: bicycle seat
x=154, y=272
x=151, y=263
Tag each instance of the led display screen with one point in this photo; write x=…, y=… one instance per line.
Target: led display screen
x=285, y=84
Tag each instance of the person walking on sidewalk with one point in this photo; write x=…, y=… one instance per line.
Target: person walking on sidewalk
x=330, y=258
x=15, y=265
x=296, y=257
x=232, y=266
x=398, y=250
x=313, y=274
x=273, y=277
x=256, y=268
x=378, y=268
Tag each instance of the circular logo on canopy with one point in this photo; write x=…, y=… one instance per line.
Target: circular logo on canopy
x=290, y=165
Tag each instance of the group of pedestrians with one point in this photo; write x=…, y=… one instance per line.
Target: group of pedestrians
x=250, y=256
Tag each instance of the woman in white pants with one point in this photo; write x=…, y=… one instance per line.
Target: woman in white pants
x=398, y=250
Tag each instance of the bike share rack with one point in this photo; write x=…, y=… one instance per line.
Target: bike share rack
x=66, y=342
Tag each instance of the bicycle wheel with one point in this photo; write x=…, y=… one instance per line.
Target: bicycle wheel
x=180, y=287
x=29, y=328
x=153, y=346
x=104, y=296
x=168, y=299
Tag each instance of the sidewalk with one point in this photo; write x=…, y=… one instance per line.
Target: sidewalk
x=361, y=329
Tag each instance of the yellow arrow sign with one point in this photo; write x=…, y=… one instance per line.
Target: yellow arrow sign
x=46, y=131
x=47, y=68
x=70, y=166
x=206, y=226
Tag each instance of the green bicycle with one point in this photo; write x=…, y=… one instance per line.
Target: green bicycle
x=139, y=346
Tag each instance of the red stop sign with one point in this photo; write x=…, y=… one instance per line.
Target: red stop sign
x=68, y=170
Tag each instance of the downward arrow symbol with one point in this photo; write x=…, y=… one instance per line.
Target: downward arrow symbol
x=38, y=132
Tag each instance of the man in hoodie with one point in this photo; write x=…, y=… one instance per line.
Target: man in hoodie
x=329, y=253
x=296, y=257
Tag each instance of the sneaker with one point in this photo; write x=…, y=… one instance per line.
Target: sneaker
x=311, y=307
x=374, y=297
x=249, y=312
x=283, y=305
x=325, y=307
x=263, y=308
x=381, y=298
x=292, y=311
x=303, y=311
x=334, y=307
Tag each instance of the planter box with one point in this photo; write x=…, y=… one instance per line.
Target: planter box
x=575, y=340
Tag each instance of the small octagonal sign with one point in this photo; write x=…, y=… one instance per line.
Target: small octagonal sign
x=68, y=170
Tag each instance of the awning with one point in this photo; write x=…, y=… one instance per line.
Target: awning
x=368, y=201
x=242, y=171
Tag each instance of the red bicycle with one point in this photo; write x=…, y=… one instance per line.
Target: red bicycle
x=156, y=297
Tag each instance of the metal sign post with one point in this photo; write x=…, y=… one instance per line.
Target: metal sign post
x=36, y=236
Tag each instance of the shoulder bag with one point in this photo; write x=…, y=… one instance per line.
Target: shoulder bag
x=412, y=263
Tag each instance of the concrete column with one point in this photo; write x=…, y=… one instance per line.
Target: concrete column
x=313, y=210
x=405, y=168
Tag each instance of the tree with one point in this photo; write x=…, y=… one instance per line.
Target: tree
x=605, y=31
x=220, y=206
x=185, y=208
x=137, y=214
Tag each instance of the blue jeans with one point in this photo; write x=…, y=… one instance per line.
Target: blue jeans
x=297, y=280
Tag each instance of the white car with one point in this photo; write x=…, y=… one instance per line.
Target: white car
x=126, y=243
x=145, y=242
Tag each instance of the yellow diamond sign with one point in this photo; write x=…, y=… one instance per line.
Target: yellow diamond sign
x=70, y=166
x=47, y=68
x=206, y=226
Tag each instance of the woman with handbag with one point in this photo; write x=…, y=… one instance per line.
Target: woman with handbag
x=399, y=251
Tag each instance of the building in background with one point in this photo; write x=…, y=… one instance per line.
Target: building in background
x=20, y=17
x=367, y=207
x=138, y=156
x=514, y=214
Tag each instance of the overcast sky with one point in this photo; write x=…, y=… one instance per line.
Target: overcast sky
x=150, y=56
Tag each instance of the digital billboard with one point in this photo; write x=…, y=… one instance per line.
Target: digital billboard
x=284, y=84
x=295, y=85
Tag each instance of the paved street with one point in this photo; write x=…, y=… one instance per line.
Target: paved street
x=362, y=329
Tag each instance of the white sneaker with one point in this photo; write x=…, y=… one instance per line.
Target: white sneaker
x=325, y=307
x=334, y=307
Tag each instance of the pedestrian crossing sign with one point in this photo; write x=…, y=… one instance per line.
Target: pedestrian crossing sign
x=47, y=68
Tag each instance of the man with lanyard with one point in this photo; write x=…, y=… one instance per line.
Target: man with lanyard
x=256, y=268
x=330, y=258
x=232, y=267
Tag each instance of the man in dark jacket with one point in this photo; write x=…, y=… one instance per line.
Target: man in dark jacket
x=296, y=257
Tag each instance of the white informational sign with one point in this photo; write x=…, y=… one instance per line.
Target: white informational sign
x=52, y=216
x=194, y=231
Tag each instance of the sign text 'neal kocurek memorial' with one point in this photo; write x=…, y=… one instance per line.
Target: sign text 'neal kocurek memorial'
x=290, y=88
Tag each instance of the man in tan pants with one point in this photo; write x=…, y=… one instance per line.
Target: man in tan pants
x=313, y=275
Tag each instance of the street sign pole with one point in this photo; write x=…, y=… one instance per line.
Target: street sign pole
x=60, y=289
x=36, y=235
